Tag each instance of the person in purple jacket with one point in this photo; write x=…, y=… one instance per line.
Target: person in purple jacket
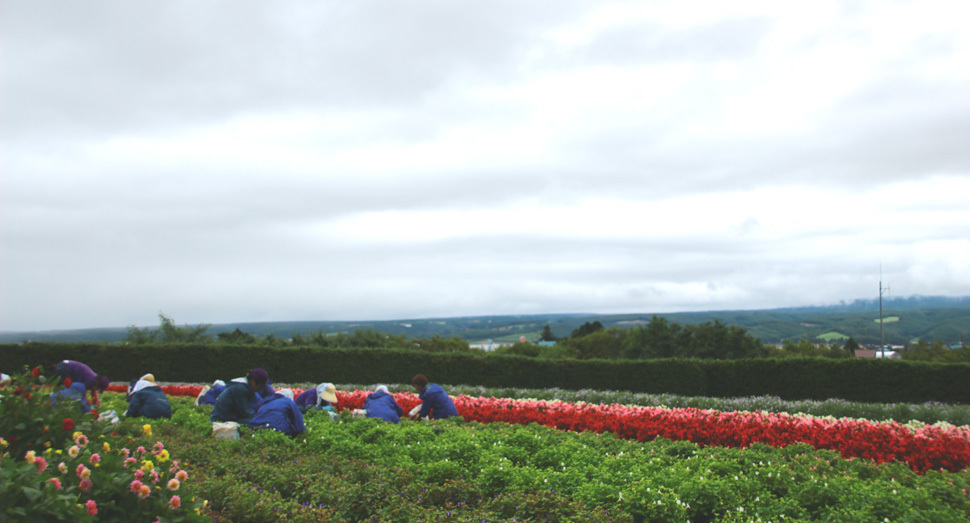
x=81, y=373
x=323, y=397
x=434, y=399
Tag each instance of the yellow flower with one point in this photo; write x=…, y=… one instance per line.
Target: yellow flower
x=146, y=429
x=76, y=434
x=107, y=448
x=147, y=466
x=162, y=456
x=30, y=457
x=58, y=452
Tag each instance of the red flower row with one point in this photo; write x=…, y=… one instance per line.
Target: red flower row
x=928, y=448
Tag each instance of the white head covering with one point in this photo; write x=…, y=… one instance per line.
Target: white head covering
x=243, y=379
x=218, y=383
x=382, y=388
x=286, y=392
x=141, y=384
x=326, y=391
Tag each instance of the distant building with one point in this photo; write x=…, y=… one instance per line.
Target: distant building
x=876, y=353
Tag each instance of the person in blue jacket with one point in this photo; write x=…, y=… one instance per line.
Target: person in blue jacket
x=434, y=399
x=148, y=401
x=236, y=402
x=212, y=393
x=280, y=413
x=263, y=392
x=380, y=404
x=73, y=394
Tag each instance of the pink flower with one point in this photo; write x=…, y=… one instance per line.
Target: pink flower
x=175, y=466
x=139, y=474
x=82, y=472
x=92, y=507
x=181, y=475
x=135, y=486
x=175, y=502
x=157, y=448
x=56, y=482
x=81, y=440
x=85, y=485
x=173, y=484
x=140, y=450
x=41, y=464
x=95, y=458
x=144, y=491
x=154, y=476
x=130, y=461
x=126, y=452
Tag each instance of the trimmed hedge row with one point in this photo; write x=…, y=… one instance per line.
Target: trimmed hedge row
x=870, y=380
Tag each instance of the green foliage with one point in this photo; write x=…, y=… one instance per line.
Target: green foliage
x=168, y=332
x=236, y=337
x=440, y=344
x=600, y=344
x=586, y=329
x=936, y=351
x=360, y=469
x=807, y=349
x=520, y=348
x=547, y=334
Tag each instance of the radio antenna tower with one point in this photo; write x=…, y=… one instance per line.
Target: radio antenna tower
x=882, y=339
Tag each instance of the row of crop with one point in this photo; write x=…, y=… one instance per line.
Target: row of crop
x=364, y=469
x=923, y=447
x=928, y=412
x=855, y=379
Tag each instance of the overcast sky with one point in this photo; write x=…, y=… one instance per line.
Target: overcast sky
x=361, y=160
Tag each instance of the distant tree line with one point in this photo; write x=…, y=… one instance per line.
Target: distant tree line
x=168, y=332
x=922, y=350
x=659, y=338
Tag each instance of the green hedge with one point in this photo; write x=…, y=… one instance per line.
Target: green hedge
x=872, y=380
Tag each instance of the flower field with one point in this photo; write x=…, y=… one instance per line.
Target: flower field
x=923, y=447
x=507, y=460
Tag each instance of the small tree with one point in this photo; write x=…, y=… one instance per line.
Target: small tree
x=586, y=329
x=547, y=334
x=167, y=332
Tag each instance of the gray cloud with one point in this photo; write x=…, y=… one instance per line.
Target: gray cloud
x=252, y=161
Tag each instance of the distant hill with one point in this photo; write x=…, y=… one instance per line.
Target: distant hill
x=928, y=317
